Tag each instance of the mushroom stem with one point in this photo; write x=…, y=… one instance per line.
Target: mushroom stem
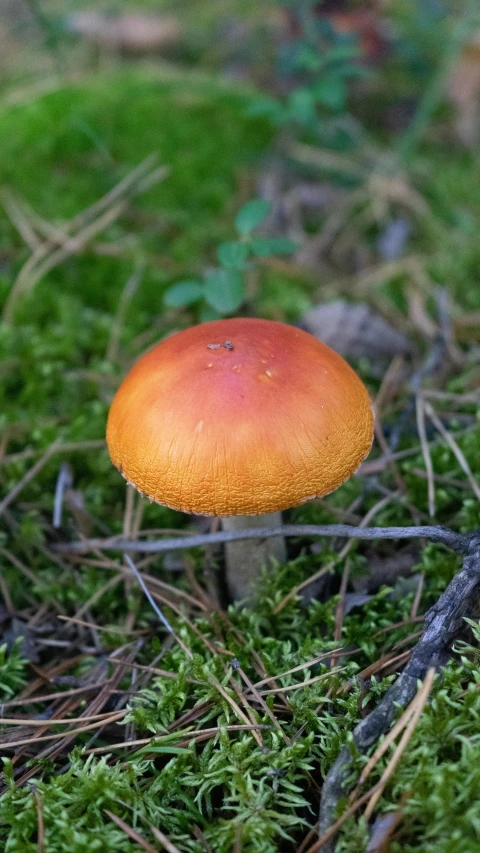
x=245, y=559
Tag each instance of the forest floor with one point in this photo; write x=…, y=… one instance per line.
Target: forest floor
x=118, y=735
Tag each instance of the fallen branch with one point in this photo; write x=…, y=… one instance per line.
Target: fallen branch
x=459, y=542
x=442, y=624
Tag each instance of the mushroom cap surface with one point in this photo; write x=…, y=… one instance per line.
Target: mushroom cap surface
x=239, y=417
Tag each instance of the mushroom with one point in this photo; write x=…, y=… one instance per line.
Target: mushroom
x=239, y=417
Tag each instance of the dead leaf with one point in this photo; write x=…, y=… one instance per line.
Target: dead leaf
x=128, y=33
x=354, y=599
x=385, y=571
x=365, y=24
x=355, y=331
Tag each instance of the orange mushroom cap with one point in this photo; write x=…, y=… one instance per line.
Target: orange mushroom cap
x=239, y=417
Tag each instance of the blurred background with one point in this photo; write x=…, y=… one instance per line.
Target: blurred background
x=131, y=137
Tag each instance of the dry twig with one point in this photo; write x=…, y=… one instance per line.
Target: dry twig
x=74, y=235
x=132, y=833
x=418, y=705
x=459, y=542
x=427, y=458
x=459, y=456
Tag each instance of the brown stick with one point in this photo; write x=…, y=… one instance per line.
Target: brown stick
x=459, y=542
x=442, y=624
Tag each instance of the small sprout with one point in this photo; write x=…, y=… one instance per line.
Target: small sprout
x=223, y=289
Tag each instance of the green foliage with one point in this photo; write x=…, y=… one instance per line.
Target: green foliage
x=182, y=294
x=251, y=216
x=318, y=63
x=224, y=289
x=12, y=670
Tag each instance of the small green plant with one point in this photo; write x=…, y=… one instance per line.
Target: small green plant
x=317, y=64
x=12, y=670
x=223, y=289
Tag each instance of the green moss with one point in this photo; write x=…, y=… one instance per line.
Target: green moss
x=76, y=143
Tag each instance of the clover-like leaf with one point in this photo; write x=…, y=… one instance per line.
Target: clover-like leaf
x=183, y=293
x=251, y=215
x=224, y=290
x=233, y=255
x=263, y=247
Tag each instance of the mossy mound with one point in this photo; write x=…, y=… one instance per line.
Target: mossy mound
x=65, y=149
